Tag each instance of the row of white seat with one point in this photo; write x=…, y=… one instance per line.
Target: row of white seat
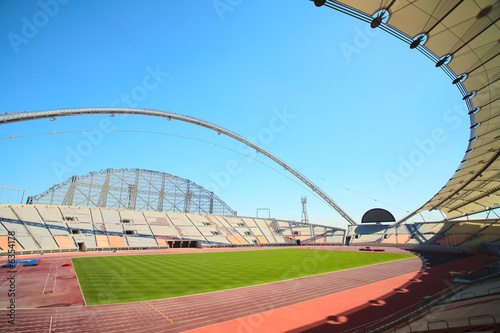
x=469, y=234
x=47, y=226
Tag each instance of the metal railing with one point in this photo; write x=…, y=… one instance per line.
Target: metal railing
x=408, y=313
x=483, y=316
x=475, y=276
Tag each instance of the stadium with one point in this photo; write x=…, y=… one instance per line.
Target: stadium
x=128, y=249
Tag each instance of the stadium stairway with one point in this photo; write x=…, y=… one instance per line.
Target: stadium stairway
x=220, y=227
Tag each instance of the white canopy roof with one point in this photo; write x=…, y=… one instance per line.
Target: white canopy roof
x=468, y=33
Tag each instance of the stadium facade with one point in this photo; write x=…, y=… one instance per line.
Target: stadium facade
x=459, y=37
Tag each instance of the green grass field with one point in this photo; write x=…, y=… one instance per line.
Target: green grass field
x=121, y=279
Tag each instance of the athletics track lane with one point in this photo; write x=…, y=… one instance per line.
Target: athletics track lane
x=196, y=311
x=350, y=309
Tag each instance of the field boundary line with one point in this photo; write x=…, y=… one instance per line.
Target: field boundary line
x=78, y=280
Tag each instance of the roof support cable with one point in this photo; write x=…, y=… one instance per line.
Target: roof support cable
x=485, y=166
x=484, y=194
x=442, y=18
x=493, y=101
x=462, y=89
x=487, y=119
x=482, y=64
x=422, y=216
x=428, y=56
x=387, y=29
x=425, y=51
x=489, y=84
x=469, y=104
x=390, y=5
x=448, y=71
x=343, y=9
x=478, y=34
x=349, y=11
x=396, y=33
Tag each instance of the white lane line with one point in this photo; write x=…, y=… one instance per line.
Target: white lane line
x=46, y=280
x=55, y=279
x=15, y=274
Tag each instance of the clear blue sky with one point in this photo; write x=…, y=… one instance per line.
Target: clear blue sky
x=357, y=108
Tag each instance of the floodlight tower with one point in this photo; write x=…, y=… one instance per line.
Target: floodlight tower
x=304, y=218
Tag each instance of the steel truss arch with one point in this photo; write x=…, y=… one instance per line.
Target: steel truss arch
x=25, y=116
x=134, y=189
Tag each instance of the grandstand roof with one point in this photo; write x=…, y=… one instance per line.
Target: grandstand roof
x=462, y=38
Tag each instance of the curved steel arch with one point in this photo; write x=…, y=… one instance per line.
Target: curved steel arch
x=155, y=113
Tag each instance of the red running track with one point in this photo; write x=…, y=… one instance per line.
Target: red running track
x=197, y=311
